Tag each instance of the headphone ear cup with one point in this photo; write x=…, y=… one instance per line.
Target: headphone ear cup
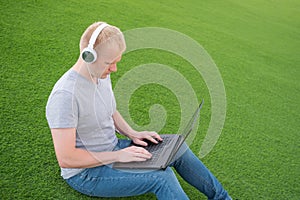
x=89, y=55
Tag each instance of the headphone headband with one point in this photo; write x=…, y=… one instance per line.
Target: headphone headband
x=96, y=34
x=89, y=55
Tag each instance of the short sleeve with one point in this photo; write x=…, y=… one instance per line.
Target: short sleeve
x=62, y=110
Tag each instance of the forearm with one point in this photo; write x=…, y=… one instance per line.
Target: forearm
x=122, y=126
x=81, y=158
x=69, y=156
x=137, y=137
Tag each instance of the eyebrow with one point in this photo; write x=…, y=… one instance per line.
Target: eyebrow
x=109, y=63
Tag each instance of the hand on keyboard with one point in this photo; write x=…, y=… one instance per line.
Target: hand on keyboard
x=142, y=138
x=133, y=153
x=148, y=142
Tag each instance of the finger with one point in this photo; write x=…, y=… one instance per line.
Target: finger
x=140, y=153
x=143, y=151
x=143, y=156
x=140, y=142
x=159, y=138
x=139, y=159
x=156, y=135
x=153, y=140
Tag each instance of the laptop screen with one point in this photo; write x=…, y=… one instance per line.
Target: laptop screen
x=188, y=129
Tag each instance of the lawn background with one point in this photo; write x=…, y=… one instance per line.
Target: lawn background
x=255, y=45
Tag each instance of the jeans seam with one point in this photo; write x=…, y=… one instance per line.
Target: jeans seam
x=201, y=178
x=167, y=185
x=80, y=188
x=153, y=177
x=159, y=182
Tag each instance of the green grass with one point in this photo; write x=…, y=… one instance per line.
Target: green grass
x=255, y=45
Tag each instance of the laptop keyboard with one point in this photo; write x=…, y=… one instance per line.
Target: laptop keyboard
x=156, y=149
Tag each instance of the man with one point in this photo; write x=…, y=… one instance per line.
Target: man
x=82, y=115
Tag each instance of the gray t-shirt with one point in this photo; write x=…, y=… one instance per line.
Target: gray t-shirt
x=76, y=102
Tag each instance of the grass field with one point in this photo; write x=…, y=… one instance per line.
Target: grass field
x=255, y=45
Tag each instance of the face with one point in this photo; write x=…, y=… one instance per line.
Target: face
x=111, y=66
x=106, y=62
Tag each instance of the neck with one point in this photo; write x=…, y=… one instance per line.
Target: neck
x=81, y=67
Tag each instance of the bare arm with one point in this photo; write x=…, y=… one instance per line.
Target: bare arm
x=69, y=156
x=136, y=136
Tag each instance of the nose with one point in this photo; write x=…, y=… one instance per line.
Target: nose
x=113, y=68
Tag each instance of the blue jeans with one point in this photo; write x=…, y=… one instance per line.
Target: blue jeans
x=104, y=181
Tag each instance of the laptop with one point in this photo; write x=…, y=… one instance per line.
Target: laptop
x=163, y=152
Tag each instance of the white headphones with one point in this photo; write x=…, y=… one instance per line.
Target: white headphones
x=89, y=55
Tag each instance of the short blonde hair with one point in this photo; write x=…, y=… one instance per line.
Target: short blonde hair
x=110, y=34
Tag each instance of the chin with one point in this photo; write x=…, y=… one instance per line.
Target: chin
x=104, y=76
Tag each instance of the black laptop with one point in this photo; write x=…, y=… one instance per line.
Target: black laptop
x=163, y=152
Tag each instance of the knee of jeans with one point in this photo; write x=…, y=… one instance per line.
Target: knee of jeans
x=169, y=185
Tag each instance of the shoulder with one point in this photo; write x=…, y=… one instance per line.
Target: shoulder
x=66, y=82
x=63, y=90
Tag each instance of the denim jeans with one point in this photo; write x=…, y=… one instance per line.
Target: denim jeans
x=105, y=181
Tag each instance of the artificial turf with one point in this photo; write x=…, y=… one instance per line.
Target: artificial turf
x=255, y=45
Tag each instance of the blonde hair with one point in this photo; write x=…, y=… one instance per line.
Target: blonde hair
x=110, y=34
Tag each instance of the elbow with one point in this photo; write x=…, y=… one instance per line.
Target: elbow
x=63, y=163
x=66, y=159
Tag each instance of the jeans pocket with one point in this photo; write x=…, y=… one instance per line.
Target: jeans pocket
x=82, y=183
